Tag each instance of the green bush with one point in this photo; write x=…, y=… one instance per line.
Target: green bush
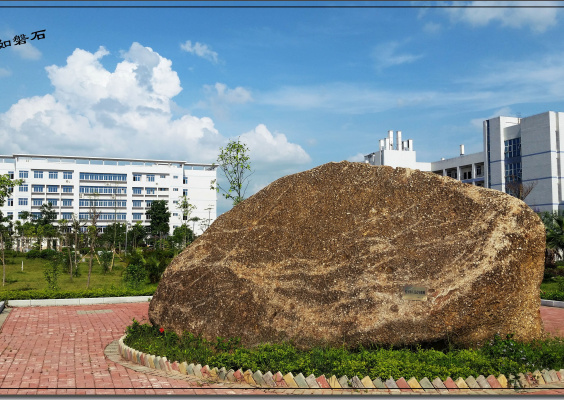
x=135, y=273
x=155, y=269
x=106, y=260
x=33, y=254
x=499, y=356
x=74, y=294
x=560, y=282
x=49, y=254
x=551, y=295
x=52, y=272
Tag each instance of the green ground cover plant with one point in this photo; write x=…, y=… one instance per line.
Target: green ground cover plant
x=499, y=356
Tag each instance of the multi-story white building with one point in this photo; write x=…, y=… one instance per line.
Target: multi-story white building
x=123, y=189
x=525, y=151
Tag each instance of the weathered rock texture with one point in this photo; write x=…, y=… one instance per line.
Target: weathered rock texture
x=322, y=256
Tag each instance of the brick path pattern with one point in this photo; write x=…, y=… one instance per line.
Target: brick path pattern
x=73, y=350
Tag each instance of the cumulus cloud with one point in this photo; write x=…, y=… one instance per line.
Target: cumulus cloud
x=124, y=113
x=481, y=13
x=266, y=147
x=201, y=50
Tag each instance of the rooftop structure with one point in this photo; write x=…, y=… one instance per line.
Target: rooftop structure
x=518, y=153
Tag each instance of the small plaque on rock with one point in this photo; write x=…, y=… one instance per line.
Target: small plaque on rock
x=414, y=293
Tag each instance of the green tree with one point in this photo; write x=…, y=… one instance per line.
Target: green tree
x=92, y=232
x=6, y=189
x=66, y=233
x=554, y=227
x=194, y=220
x=160, y=217
x=47, y=217
x=179, y=237
x=137, y=233
x=76, y=229
x=187, y=209
x=113, y=233
x=135, y=273
x=234, y=163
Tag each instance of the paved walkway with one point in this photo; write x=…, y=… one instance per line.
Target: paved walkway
x=60, y=350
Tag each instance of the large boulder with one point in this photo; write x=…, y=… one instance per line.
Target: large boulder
x=348, y=253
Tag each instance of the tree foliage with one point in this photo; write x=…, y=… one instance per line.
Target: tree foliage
x=234, y=163
x=6, y=188
x=187, y=209
x=160, y=217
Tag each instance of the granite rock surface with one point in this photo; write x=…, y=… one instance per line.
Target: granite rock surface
x=326, y=256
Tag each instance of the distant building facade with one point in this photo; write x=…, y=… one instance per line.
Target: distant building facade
x=122, y=189
x=517, y=151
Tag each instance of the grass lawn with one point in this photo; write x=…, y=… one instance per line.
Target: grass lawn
x=32, y=275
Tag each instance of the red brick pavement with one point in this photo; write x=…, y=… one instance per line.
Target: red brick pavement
x=553, y=319
x=57, y=350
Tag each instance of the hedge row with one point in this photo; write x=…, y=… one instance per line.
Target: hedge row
x=499, y=356
x=558, y=296
x=72, y=294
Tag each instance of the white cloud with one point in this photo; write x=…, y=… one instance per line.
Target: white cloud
x=386, y=55
x=431, y=27
x=266, y=147
x=127, y=113
x=220, y=98
x=5, y=72
x=201, y=50
x=528, y=13
x=27, y=51
x=358, y=157
x=124, y=113
x=239, y=95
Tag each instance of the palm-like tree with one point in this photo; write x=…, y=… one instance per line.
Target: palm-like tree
x=554, y=225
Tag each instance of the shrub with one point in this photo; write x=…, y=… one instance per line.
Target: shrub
x=33, y=254
x=558, y=296
x=135, y=273
x=499, y=356
x=52, y=273
x=106, y=260
x=560, y=281
x=33, y=294
x=155, y=269
x=49, y=254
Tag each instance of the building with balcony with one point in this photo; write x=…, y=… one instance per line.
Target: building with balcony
x=518, y=152
x=119, y=189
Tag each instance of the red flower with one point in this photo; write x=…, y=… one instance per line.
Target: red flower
x=161, y=330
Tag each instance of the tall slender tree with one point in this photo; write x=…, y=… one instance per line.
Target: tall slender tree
x=160, y=217
x=92, y=232
x=7, y=185
x=187, y=209
x=234, y=162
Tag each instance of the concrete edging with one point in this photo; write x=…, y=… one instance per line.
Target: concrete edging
x=78, y=301
x=552, y=303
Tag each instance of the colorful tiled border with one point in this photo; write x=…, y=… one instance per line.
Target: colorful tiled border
x=279, y=380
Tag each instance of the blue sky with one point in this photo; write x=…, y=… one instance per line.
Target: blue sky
x=301, y=86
